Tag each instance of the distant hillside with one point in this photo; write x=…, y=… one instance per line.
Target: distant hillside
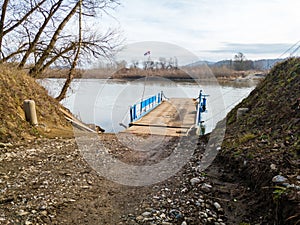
x=200, y=63
x=15, y=87
x=266, y=64
x=262, y=64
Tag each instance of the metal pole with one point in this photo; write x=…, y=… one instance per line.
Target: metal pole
x=131, y=116
x=199, y=107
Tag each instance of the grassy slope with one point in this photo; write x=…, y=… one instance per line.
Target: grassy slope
x=15, y=87
x=269, y=134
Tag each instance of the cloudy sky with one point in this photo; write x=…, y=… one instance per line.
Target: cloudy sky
x=213, y=29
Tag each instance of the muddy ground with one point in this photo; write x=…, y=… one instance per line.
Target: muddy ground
x=47, y=181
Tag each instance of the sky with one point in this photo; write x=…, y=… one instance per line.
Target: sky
x=212, y=29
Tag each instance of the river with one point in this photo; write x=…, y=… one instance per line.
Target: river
x=106, y=102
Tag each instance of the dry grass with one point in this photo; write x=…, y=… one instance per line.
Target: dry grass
x=202, y=72
x=15, y=87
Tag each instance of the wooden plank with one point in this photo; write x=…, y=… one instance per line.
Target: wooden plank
x=76, y=121
x=172, y=118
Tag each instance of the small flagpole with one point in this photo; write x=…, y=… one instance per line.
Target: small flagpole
x=147, y=53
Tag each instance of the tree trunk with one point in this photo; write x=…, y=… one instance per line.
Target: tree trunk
x=32, y=45
x=37, y=68
x=3, y=12
x=70, y=77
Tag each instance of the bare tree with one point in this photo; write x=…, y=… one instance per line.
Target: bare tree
x=33, y=44
x=70, y=76
x=37, y=34
x=18, y=15
x=241, y=63
x=3, y=13
x=34, y=71
x=163, y=62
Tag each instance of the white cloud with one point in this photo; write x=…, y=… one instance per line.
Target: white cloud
x=203, y=26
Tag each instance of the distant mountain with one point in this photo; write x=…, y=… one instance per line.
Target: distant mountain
x=262, y=64
x=227, y=63
x=266, y=64
x=200, y=63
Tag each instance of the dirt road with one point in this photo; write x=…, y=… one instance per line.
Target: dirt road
x=46, y=181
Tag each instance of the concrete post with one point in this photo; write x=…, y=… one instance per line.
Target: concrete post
x=30, y=112
x=241, y=111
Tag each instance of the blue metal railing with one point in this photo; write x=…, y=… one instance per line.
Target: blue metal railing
x=201, y=107
x=145, y=106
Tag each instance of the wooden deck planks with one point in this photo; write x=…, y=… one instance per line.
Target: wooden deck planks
x=172, y=118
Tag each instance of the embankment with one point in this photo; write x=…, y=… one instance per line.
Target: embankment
x=265, y=143
x=15, y=87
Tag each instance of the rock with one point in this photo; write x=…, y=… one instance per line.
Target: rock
x=23, y=213
x=140, y=218
x=195, y=180
x=148, y=219
x=279, y=179
x=146, y=214
x=217, y=205
x=206, y=187
x=3, y=145
x=210, y=219
x=203, y=214
x=175, y=213
x=166, y=223
x=184, y=223
x=273, y=166
x=44, y=213
x=184, y=190
x=163, y=216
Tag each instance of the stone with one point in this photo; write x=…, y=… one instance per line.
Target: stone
x=175, y=213
x=166, y=223
x=210, y=219
x=273, y=166
x=163, y=216
x=44, y=213
x=148, y=219
x=140, y=218
x=23, y=213
x=3, y=145
x=206, y=187
x=217, y=205
x=146, y=214
x=203, y=214
x=279, y=179
x=184, y=223
x=184, y=190
x=241, y=112
x=195, y=180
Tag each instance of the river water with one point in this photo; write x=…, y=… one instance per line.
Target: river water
x=106, y=102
